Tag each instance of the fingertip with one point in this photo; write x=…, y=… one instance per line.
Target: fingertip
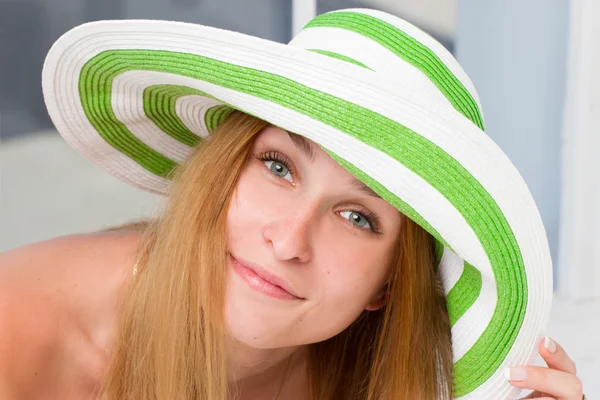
x=549, y=345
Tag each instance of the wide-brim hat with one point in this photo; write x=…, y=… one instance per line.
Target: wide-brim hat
x=383, y=98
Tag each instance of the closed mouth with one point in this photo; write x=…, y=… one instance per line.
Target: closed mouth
x=263, y=281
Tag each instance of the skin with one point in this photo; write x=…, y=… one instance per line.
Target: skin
x=58, y=298
x=559, y=381
x=57, y=305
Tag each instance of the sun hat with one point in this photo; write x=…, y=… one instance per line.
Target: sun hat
x=383, y=98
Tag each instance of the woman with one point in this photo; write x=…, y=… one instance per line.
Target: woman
x=301, y=253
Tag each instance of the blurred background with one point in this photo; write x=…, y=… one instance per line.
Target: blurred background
x=534, y=64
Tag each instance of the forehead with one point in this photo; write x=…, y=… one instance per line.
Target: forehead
x=308, y=149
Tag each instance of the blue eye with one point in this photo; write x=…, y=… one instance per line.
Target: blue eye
x=363, y=220
x=279, y=169
x=356, y=218
x=278, y=164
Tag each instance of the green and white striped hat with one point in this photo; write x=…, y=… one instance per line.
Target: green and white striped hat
x=383, y=98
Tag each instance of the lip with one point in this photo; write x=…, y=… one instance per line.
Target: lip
x=263, y=281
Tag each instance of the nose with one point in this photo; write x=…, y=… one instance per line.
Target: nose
x=289, y=234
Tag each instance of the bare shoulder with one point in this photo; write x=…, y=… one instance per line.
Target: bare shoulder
x=42, y=270
x=41, y=285
x=63, y=251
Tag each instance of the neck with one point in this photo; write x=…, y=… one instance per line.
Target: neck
x=266, y=373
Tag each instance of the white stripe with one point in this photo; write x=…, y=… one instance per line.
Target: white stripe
x=450, y=269
x=469, y=327
x=471, y=324
x=424, y=38
x=188, y=109
x=192, y=111
x=128, y=106
x=370, y=53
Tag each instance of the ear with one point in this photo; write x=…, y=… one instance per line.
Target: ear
x=379, y=301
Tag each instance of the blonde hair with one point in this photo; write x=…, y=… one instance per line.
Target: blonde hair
x=170, y=335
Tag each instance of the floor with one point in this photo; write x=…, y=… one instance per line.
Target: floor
x=47, y=189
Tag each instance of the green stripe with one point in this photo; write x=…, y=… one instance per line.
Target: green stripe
x=420, y=155
x=339, y=57
x=160, y=106
x=464, y=293
x=96, y=101
x=410, y=50
x=215, y=115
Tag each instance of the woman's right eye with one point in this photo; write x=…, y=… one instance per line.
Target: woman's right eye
x=279, y=169
x=278, y=164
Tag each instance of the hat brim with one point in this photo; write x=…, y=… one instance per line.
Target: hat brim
x=133, y=96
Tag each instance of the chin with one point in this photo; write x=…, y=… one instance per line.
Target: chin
x=253, y=333
x=258, y=321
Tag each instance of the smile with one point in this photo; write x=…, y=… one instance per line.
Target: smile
x=263, y=281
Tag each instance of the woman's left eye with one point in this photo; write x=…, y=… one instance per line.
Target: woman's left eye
x=356, y=218
x=360, y=220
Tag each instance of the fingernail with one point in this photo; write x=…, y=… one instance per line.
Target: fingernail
x=515, y=374
x=550, y=345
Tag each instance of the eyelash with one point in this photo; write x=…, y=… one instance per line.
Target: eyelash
x=276, y=156
x=371, y=218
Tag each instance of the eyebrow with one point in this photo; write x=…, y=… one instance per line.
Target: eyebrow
x=307, y=149
x=303, y=145
x=363, y=188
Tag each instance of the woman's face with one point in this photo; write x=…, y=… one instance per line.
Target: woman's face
x=309, y=246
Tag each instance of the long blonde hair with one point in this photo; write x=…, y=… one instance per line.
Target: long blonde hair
x=170, y=336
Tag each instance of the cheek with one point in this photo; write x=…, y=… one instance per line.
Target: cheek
x=250, y=204
x=350, y=278
x=353, y=265
x=354, y=281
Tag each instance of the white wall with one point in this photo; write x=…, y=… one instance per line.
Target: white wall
x=515, y=52
x=47, y=189
x=579, y=262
